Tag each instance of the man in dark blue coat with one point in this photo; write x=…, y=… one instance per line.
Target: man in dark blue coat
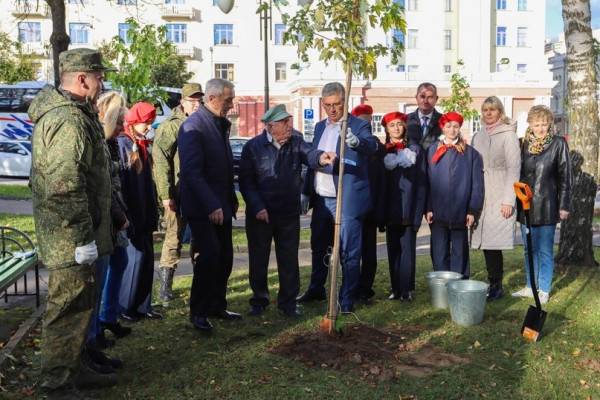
x=270, y=181
x=322, y=188
x=208, y=201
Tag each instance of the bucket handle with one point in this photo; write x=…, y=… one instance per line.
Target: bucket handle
x=524, y=194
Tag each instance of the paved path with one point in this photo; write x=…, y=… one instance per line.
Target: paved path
x=23, y=207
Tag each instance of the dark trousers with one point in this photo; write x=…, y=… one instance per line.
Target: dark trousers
x=494, y=263
x=450, y=249
x=143, y=290
x=368, y=266
x=285, y=231
x=401, y=246
x=322, y=229
x=109, y=309
x=212, y=267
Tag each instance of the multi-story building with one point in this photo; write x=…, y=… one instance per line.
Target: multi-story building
x=501, y=43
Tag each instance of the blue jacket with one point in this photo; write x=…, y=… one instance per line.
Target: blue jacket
x=271, y=179
x=406, y=191
x=356, y=192
x=456, y=186
x=206, y=175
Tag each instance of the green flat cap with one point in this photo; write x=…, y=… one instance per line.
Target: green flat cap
x=81, y=60
x=191, y=89
x=275, y=114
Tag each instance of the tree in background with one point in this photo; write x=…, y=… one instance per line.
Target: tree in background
x=460, y=99
x=146, y=62
x=14, y=65
x=575, y=246
x=336, y=29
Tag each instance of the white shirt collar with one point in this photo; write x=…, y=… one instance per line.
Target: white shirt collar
x=421, y=115
x=272, y=141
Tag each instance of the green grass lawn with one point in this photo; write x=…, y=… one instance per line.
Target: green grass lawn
x=15, y=192
x=170, y=360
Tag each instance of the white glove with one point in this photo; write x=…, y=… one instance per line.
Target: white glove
x=406, y=158
x=352, y=140
x=390, y=161
x=86, y=254
x=304, y=203
x=411, y=156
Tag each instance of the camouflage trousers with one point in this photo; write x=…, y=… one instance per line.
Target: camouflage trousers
x=171, y=248
x=71, y=296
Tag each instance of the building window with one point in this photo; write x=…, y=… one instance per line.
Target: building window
x=447, y=69
x=30, y=32
x=522, y=68
x=177, y=33
x=123, y=29
x=396, y=37
x=377, y=129
x=224, y=71
x=521, y=37
x=500, y=4
x=79, y=33
x=223, y=34
x=476, y=124
x=522, y=5
x=413, y=68
x=501, y=67
x=280, y=72
x=413, y=35
x=413, y=5
x=279, y=31
x=399, y=2
x=448, y=4
x=127, y=2
x=400, y=68
x=501, y=36
x=448, y=39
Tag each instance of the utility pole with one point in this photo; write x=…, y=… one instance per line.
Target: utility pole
x=266, y=34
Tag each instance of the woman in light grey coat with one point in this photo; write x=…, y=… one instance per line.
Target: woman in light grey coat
x=498, y=145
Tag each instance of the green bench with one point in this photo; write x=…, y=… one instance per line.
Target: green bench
x=17, y=256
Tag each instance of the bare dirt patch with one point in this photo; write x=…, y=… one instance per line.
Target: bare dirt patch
x=374, y=354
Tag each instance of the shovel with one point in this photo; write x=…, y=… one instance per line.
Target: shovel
x=535, y=317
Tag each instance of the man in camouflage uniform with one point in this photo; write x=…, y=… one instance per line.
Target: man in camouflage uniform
x=166, y=175
x=71, y=188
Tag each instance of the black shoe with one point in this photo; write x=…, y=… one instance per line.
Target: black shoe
x=100, y=358
x=201, y=323
x=152, y=315
x=310, y=296
x=256, y=310
x=227, y=315
x=347, y=309
x=89, y=378
x=130, y=316
x=291, y=312
x=102, y=342
x=365, y=301
x=100, y=368
x=496, y=292
x=406, y=297
x=394, y=296
x=117, y=329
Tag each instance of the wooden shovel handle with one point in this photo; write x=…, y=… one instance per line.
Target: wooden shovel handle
x=524, y=194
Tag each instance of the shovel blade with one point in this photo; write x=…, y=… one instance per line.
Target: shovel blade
x=534, y=321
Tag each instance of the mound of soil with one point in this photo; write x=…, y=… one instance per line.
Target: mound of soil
x=375, y=354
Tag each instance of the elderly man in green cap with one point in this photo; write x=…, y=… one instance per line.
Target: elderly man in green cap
x=71, y=189
x=271, y=183
x=166, y=176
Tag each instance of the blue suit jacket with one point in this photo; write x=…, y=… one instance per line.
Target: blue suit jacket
x=356, y=193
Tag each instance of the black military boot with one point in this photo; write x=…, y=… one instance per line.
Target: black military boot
x=165, y=292
x=495, y=292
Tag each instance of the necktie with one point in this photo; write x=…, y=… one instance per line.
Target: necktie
x=424, y=125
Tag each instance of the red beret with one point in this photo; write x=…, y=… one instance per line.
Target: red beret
x=139, y=113
x=389, y=117
x=451, y=116
x=362, y=109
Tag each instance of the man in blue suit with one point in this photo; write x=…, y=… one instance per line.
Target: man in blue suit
x=321, y=187
x=208, y=201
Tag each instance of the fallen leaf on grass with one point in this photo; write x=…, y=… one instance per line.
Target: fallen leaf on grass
x=374, y=370
x=549, y=358
x=492, y=367
x=506, y=353
x=27, y=391
x=576, y=352
x=476, y=344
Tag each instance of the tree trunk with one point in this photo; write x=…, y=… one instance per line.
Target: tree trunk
x=582, y=109
x=59, y=38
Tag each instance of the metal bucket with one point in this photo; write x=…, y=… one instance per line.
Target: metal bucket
x=467, y=301
x=437, y=286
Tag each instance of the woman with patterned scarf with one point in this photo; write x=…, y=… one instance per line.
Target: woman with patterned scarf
x=139, y=194
x=546, y=168
x=455, y=196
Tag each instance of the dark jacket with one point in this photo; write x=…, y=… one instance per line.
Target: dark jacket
x=270, y=178
x=206, y=161
x=456, y=186
x=433, y=129
x=356, y=195
x=377, y=185
x=118, y=209
x=549, y=176
x=406, y=192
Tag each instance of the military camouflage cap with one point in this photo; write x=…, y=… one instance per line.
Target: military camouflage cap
x=275, y=114
x=191, y=89
x=81, y=60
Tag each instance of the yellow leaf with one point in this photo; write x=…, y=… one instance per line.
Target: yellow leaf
x=576, y=352
x=477, y=344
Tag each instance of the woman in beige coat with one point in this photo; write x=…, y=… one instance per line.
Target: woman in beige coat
x=499, y=147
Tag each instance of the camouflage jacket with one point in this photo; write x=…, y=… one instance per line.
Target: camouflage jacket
x=165, y=157
x=70, y=178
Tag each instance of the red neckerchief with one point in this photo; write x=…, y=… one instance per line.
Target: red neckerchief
x=141, y=144
x=441, y=150
x=393, y=147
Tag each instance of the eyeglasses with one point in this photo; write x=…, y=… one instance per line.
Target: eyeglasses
x=331, y=105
